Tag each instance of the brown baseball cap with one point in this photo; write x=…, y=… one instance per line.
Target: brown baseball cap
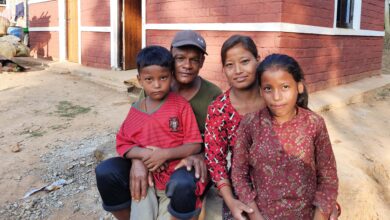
x=190, y=38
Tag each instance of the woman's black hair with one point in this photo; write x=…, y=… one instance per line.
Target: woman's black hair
x=290, y=65
x=234, y=40
x=154, y=55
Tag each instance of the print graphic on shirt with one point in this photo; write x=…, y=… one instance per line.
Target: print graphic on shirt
x=174, y=124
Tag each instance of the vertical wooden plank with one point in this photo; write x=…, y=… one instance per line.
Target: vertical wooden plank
x=132, y=28
x=72, y=30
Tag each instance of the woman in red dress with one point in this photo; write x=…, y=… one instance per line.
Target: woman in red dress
x=239, y=59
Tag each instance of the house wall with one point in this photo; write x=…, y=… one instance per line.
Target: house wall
x=308, y=12
x=94, y=31
x=43, y=18
x=215, y=11
x=333, y=60
x=95, y=44
x=95, y=50
x=44, y=42
x=373, y=13
x=327, y=59
x=95, y=12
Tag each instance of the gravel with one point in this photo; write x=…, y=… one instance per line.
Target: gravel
x=74, y=162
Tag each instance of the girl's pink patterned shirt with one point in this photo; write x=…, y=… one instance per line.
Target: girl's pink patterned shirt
x=287, y=169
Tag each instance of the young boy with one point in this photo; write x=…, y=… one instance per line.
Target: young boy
x=160, y=129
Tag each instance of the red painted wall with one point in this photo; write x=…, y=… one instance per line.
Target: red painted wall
x=332, y=60
x=373, y=13
x=95, y=12
x=43, y=14
x=213, y=11
x=308, y=12
x=326, y=60
x=95, y=50
x=44, y=44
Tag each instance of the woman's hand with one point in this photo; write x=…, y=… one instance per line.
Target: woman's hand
x=140, y=180
x=196, y=161
x=334, y=215
x=239, y=209
x=318, y=215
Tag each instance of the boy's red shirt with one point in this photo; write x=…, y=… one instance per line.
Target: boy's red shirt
x=171, y=125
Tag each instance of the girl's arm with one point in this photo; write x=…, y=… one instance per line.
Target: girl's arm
x=327, y=181
x=237, y=208
x=255, y=215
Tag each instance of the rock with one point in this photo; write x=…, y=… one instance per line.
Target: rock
x=105, y=150
x=15, y=148
x=76, y=208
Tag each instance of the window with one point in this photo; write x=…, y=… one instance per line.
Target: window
x=3, y=2
x=345, y=13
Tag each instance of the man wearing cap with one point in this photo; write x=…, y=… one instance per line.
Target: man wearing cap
x=188, y=49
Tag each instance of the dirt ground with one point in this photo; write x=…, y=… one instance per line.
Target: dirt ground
x=56, y=121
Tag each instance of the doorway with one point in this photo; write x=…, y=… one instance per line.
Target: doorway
x=131, y=32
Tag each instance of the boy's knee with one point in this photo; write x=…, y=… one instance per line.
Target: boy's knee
x=181, y=191
x=112, y=170
x=181, y=182
x=104, y=170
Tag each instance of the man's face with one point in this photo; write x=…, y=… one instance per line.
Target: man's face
x=188, y=62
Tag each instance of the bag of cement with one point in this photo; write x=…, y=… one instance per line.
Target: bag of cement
x=4, y=24
x=22, y=50
x=10, y=38
x=7, y=49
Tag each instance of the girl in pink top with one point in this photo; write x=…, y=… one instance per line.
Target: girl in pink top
x=283, y=165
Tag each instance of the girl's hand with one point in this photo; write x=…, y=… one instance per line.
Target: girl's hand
x=318, y=215
x=239, y=209
x=155, y=158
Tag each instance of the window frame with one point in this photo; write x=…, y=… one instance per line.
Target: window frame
x=355, y=12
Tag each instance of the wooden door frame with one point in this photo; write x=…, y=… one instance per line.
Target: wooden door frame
x=75, y=51
x=128, y=60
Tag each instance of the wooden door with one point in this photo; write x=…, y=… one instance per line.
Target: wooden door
x=72, y=30
x=132, y=28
